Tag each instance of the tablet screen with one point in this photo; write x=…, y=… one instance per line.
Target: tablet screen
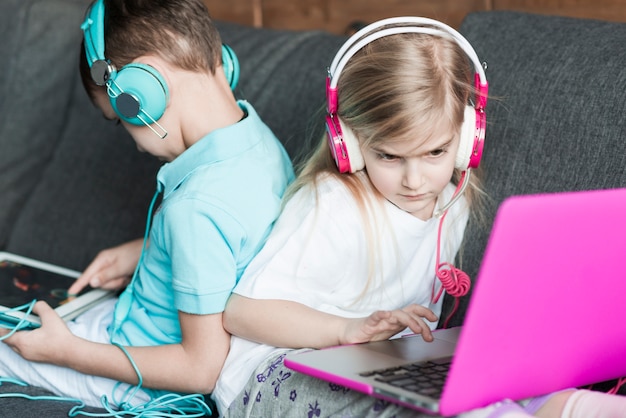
x=21, y=283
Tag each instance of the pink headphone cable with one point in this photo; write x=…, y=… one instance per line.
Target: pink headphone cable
x=620, y=382
x=455, y=281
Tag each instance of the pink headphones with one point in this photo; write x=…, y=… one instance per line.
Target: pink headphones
x=342, y=141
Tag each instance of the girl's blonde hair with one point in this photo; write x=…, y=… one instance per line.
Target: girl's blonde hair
x=393, y=89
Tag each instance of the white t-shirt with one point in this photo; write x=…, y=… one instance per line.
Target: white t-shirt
x=317, y=255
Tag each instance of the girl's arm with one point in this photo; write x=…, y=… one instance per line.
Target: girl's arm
x=190, y=367
x=283, y=323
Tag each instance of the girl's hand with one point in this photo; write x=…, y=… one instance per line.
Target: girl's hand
x=111, y=269
x=382, y=325
x=49, y=343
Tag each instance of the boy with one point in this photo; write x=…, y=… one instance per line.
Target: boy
x=158, y=68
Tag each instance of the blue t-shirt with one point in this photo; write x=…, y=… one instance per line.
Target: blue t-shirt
x=220, y=199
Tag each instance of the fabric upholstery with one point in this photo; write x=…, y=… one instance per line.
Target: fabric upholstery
x=72, y=183
x=38, y=38
x=556, y=118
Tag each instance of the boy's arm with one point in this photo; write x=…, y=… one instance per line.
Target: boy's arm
x=283, y=323
x=111, y=269
x=190, y=367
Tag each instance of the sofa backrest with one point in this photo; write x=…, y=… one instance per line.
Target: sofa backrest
x=73, y=183
x=283, y=74
x=39, y=54
x=557, y=114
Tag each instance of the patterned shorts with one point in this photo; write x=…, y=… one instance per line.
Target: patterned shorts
x=277, y=391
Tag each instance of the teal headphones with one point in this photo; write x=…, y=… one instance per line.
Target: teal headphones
x=138, y=93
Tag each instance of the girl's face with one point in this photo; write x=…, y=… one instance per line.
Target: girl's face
x=411, y=174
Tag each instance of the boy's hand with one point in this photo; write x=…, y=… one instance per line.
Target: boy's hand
x=111, y=269
x=48, y=343
x=382, y=325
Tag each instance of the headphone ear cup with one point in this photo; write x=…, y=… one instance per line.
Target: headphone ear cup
x=142, y=96
x=467, y=141
x=344, y=145
x=231, y=66
x=353, y=148
x=335, y=144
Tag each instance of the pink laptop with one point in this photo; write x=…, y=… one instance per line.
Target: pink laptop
x=547, y=313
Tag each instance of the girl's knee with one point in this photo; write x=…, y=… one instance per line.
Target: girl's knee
x=554, y=405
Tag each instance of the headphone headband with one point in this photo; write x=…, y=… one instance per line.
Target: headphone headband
x=342, y=141
x=405, y=21
x=93, y=27
x=138, y=93
x=424, y=25
x=94, y=32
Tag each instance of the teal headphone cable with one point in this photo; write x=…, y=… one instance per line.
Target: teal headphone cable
x=124, y=301
x=23, y=323
x=169, y=405
x=166, y=406
x=192, y=405
x=162, y=407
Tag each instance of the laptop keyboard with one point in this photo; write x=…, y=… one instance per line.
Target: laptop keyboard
x=425, y=377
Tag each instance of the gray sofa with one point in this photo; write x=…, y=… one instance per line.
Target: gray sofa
x=72, y=183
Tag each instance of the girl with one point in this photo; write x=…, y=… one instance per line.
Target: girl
x=361, y=251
